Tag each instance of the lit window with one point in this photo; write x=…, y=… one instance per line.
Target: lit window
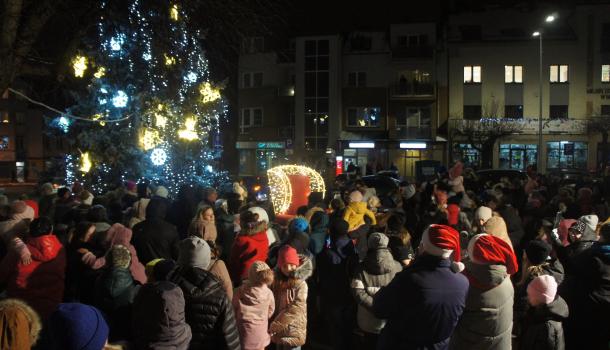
x=513, y=74
x=558, y=73
x=605, y=73
x=363, y=116
x=472, y=74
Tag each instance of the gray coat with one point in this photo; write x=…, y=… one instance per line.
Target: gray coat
x=487, y=321
x=376, y=271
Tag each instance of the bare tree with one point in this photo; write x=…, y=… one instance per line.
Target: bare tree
x=601, y=125
x=482, y=134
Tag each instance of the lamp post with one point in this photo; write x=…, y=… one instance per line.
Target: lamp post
x=538, y=34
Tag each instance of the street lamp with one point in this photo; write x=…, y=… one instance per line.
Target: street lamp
x=538, y=34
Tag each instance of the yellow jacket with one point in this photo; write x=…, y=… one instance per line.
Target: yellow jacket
x=354, y=215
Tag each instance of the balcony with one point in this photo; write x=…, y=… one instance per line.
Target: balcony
x=412, y=89
x=413, y=133
x=405, y=53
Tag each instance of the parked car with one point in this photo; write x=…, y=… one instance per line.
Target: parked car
x=495, y=175
x=568, y=175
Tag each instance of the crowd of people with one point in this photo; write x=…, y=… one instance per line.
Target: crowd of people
x=448, y=263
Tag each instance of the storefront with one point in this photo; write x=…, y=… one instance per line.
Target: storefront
x=517, y=156
x=256, y=157
x=567, y=154
x=470, y=156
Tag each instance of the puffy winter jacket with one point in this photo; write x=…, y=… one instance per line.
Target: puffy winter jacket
x=543, y=329
x=354, y=215
x=249, y=246
x=41, y=283
x=208, y=310
x=154, y=237
x=289, y=325
x=254, y=306
x=115, y=291
x=376, y=271
x=487, y=322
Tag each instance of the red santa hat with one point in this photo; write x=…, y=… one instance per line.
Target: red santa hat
x=486, y=249
x=442, y=241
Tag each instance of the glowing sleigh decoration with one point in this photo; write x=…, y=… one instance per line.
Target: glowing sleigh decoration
x=290, y=186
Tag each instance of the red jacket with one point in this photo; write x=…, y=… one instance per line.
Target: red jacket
x=41, y=283
x=247, y=249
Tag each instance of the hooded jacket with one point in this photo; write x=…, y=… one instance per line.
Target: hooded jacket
x=487, y=321
x=208, y=310
x=119, y=234
x=334, y=269
x=19, y=325
x=317, y=238
x=203, y=228
x=159, y=318
x=543, y=326
x=354, y=215
x=254, y=306
x=115, y=291
x=154, y=237
x=41, y=283
x=422, y=305
x=249, y=246
x=376, y=271
x=289, y=325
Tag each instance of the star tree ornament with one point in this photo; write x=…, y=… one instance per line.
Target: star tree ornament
x=155, y=112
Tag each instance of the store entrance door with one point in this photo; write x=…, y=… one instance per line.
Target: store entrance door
x=411, y=156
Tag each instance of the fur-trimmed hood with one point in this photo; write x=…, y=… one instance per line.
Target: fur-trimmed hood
x=18, y=317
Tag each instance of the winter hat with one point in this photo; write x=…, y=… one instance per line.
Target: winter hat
x=590, y=220
x=161, y=191
x=408, y=191
x=119, y=256
x=288, y=255
x=298, y=225
x=76, y=326
x=483, y=213
x=262, y=214
x=496, y=226
x=486, y=249
x=355, y=196
x=86, y=197
x=537, y=252
x=257, y=271
x=19, y=325
x=194, y=252
x=131, y=186
x=542, y=290
x=378, y=240
x=338, y=228
x=579, y=226
x=442, y=241
x=46, y=188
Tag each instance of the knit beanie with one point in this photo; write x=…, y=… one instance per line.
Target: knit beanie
x=537, y=252
x=496, y=226
x=76, y=326
x=442, y=241
x=119, y=256
x=542, y=290
x=378, y=240
x=298, y=225
x=194, y=252
x=590, y=220
x=486, y=249
x=288, y=255
x=483, y=213
x=355, y=196
x=161, y=191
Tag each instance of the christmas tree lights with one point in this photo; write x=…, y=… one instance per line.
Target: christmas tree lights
x=150, y=73
x=79, y=64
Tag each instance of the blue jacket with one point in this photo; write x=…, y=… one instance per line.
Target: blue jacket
x=422, y=305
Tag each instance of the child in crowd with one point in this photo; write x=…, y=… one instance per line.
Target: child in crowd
x=543, y=324
x=356, y=210
x=254, y=305
x=289, y=327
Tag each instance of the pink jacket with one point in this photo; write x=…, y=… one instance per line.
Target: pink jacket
x=119, y=234
x=254, y=306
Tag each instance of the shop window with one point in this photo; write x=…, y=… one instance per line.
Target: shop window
x=470, y=156
x=567, y=154
x=517, y=156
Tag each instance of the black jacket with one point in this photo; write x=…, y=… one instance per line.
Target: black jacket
x=154, y=237
x=115, y=291
x=208, y=310
x=542, y=328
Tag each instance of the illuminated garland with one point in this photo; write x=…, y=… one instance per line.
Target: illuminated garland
x=281, y=189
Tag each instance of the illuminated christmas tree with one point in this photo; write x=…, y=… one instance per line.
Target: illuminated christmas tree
x=150, y=108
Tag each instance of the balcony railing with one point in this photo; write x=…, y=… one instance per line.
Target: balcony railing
x=415, y=133
x=531, y=125
x=412, y=89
